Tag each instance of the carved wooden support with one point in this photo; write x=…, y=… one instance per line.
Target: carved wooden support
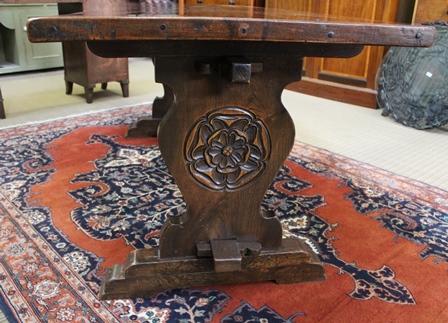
x=146, y=274
x=218, y=141
x=147, y=126
x=224, y=139
x=235, y=69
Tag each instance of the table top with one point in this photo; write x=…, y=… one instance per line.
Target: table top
x=149, y=21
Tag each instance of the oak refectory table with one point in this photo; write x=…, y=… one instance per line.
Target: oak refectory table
x=224, y=133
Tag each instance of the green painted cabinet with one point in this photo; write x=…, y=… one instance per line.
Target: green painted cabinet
x=17, y=53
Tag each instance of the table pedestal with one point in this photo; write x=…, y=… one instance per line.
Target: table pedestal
x=224, y=139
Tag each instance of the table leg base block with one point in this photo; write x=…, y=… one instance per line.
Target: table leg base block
x=145, y=274
x=145, y=127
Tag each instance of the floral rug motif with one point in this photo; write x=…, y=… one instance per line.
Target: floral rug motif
x=76, y=196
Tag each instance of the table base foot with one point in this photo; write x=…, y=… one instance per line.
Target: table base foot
x=145, y=274
x=145, y=127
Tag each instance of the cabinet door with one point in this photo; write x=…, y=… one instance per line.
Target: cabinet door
x=430, y=11
x=347, y=80
x=41, y=55
x=248, y=3
x=17, y=53
x=305, y=8
x=9, y=54
x=361, y=70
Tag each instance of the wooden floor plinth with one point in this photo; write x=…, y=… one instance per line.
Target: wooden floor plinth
x=145, y=127
x=145, y=274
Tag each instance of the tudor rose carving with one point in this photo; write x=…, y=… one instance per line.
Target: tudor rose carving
x=227, y=148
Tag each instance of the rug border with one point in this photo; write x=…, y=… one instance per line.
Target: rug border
x=8, y=314
x=112, y=110
x=382, y=179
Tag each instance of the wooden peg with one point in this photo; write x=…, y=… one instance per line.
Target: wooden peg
x=239, y=69
x=226, y=255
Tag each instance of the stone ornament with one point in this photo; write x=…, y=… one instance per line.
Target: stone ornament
x=413, y=83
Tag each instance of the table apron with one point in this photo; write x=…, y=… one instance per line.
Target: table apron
x=159, y=48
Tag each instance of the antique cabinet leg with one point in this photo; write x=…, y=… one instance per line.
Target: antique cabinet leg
x=2, y=107
x=68, y=87
x=224, y=145
x=125, y=88
x=88, y=90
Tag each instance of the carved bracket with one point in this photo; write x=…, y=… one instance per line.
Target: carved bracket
x=234, y=69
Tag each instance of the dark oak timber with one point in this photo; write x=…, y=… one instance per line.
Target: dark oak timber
x=145, y=273
x=222, y=131
x=78, y=28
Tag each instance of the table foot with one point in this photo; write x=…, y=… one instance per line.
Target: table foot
x=145, y=127
x=145, y=274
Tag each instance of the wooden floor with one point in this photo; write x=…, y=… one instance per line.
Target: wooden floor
x=355, y=132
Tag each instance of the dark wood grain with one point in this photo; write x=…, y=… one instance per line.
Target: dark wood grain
x=145, y=274
x=224, y=236
x=127, y=28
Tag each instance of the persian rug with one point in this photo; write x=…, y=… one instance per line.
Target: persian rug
x=76, y=197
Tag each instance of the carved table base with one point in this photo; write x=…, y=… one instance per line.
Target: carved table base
x=224, y=136
x=146, y=274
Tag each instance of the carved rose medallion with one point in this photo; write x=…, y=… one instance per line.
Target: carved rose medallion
x=227, y=149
